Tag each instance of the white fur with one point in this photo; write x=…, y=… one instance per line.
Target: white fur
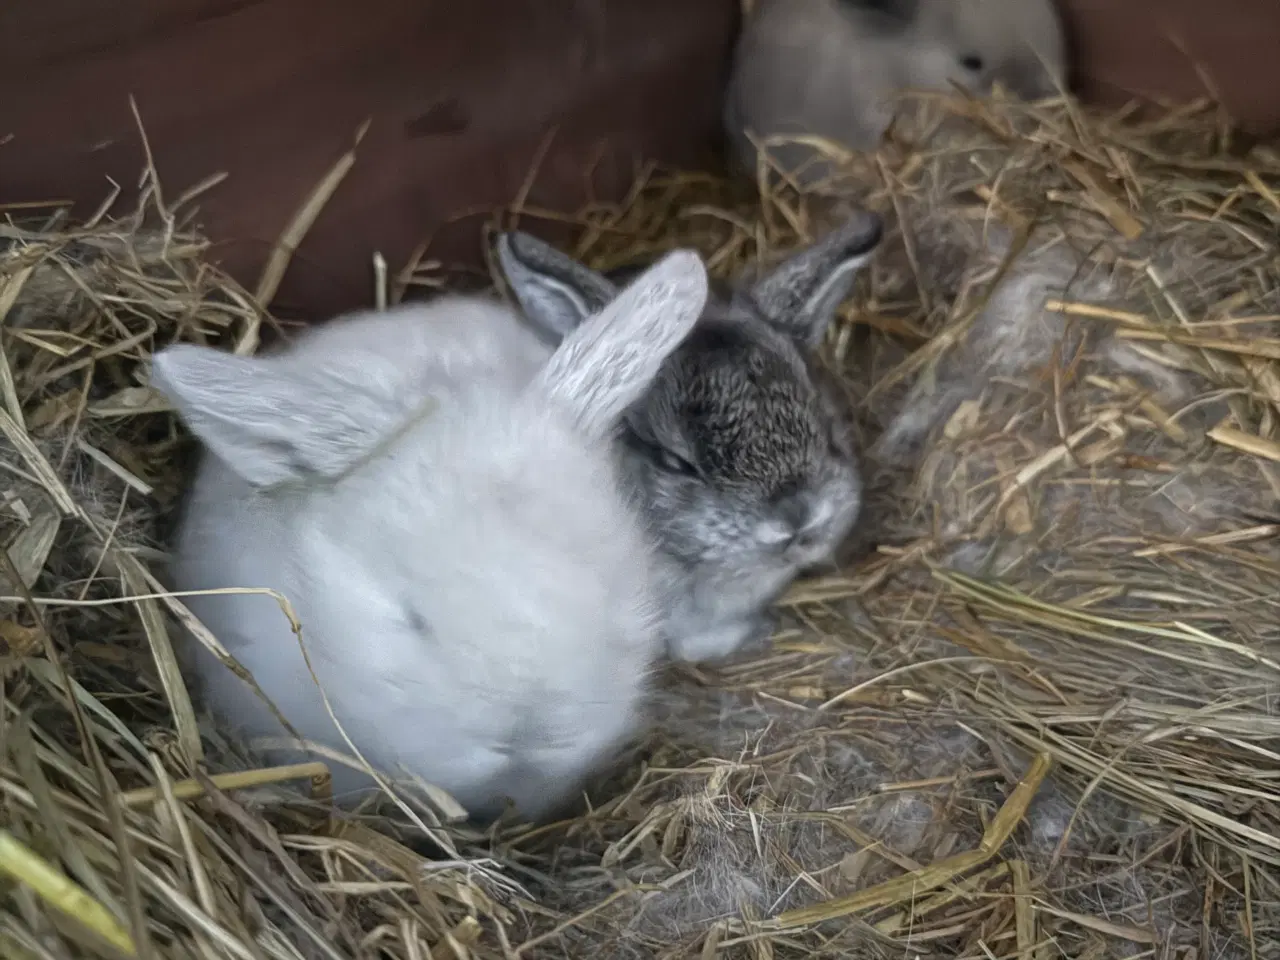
x=434, y=491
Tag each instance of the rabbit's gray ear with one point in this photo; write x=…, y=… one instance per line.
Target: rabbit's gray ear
x=609, y=362
x=800, y=296
x=555, y=291
x=269, y=421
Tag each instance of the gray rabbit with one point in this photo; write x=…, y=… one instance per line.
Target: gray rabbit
x=738, y=451
x=830, y=68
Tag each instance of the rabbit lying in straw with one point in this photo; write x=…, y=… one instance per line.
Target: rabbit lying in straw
x=433, y=490
x=739, y=450
x=964, y=421
x=831, y=68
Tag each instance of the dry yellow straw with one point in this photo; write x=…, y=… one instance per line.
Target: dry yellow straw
x=56, y=888
x=242, y=780
x=910, y=886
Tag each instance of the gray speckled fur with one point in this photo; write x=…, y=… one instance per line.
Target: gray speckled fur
x=739, y=453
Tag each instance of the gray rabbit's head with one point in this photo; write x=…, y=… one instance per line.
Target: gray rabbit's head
x=739, y=451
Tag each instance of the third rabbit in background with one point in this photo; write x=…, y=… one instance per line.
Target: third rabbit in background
x=832, y=68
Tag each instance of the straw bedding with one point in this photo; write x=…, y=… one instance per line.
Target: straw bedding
x=1032, y=715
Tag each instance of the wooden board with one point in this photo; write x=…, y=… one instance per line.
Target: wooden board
x=460, y=95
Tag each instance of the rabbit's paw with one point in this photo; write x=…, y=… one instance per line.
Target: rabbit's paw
x=747, y=634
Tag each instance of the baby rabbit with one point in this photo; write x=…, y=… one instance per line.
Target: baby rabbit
x=436, y=493
x=741, y=459
x=830, y=68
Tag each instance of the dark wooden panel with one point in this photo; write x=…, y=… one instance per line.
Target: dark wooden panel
x=271, y=91
x=60, y=31
x=1159, y=48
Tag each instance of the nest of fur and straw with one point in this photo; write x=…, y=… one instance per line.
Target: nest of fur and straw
x=1033, y=715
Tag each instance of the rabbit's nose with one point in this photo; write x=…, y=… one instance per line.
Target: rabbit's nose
x=803, y=520
x=790, y=517
x=808, y=518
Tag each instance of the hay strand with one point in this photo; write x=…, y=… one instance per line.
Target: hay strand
x=24, y=865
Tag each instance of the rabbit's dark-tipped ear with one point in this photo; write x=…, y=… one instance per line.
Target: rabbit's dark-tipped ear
x=800, y=296
x=555, y=291
x=267, y=421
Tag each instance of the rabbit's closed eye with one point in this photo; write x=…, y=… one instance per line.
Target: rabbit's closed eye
x=675, y=463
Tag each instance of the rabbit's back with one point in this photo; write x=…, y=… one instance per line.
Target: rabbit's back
x=427, y=350
x=531, y=585
x=509, y=513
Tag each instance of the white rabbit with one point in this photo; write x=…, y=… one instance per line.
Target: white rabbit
x=434, y=491
x=831, y=68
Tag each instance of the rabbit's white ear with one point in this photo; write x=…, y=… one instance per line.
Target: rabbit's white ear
x=268, y=421
x=556, y=292
x=609, y=362
x=801, y=295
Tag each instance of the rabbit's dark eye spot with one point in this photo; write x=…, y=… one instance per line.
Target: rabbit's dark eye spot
x=972, y=63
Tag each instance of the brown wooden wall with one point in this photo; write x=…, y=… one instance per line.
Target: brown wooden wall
x=460, y=95
x=1181, y=49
